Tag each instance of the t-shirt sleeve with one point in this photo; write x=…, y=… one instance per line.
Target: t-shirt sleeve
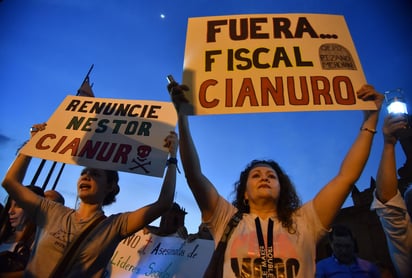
x=311, y=221
x=397, y=202
x=218, y=222
x=48, y=210
x=120, y=221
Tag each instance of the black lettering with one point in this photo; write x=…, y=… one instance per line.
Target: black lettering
x=83, y=107
x=88, y=123
x=281, y=26
x=102, y=126
x=281, y=55
x=144, y=128
x=298, y=57
x=118, y=124
x=292, y=267
x=122, y=110
x=131, y=128
x=109, y=108
x=212, y=29
x=255, y=27
x=73, y=105
x=256, y=60
x=75, y=123
x=98, y=107
x=241, y=58
x=303, y=26
x=243, y=32
x=209, y=60
x=152, y=112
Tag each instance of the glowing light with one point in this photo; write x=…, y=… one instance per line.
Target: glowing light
x=395, y=102
x=397, y=107
x=162, y=16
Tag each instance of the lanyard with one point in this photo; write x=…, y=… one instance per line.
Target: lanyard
x=266, y=254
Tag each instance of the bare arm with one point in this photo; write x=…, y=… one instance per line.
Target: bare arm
x=13, y=180
x=145, y=215
x=203, y=190
x=331, y=197
x=12, y=183
x=386, y=178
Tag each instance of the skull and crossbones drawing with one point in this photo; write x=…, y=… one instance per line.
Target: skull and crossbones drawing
x=143, y=152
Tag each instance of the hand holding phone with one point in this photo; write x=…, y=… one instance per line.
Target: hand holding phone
x=177, y=93
x=170, y=79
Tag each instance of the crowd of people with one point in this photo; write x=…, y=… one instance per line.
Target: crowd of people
x=265, y=231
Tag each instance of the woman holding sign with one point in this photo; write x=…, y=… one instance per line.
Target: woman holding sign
x=86, y=231
x=266, y=232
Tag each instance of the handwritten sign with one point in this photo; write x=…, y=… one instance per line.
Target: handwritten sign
x=270, y=63
x=123, y=135
x=149, y=255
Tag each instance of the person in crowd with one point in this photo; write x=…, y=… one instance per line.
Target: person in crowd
x=17, y=233
x=276, y=235
x=388, y=202
x=60, y=226
x=54, y=195
x=344, y=261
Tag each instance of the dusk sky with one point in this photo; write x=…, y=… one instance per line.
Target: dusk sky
x=47, y=47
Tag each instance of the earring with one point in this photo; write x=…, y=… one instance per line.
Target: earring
x=246, y=202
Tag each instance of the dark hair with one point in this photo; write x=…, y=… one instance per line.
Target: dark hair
x=30, y=227
x=288, y=201
x=341, y=230
x=112, y=178
x=57, y=196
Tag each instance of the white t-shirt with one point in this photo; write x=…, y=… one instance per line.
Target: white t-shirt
x=293, y=254
x=397, y=226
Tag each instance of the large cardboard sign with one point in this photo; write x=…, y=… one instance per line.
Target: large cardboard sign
x=270, y=63
x=123, y=135
x=149, y=255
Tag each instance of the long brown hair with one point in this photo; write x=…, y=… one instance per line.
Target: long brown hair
x=288, y=201
x=29, y=226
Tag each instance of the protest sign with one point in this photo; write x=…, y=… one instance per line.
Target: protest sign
x=271, y=63
x=122, y=135
x=149, y=255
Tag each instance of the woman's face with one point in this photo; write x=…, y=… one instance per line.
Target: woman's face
x=92, y=185
x=262, y=182
x=16, y=215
